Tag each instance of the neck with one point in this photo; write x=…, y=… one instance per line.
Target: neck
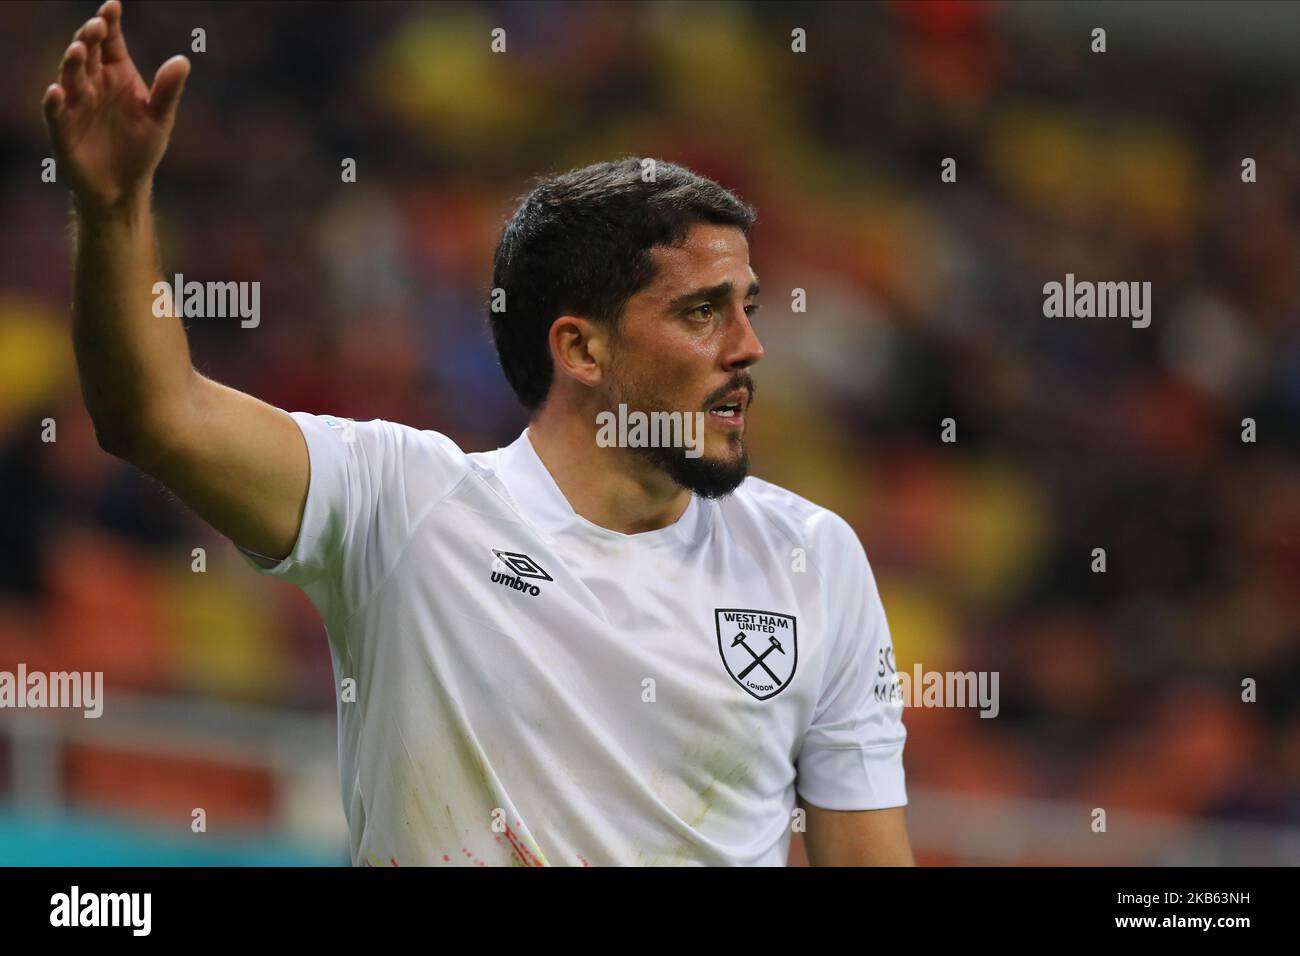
x=610, y=487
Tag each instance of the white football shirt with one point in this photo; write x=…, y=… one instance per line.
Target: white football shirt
x=532, y=689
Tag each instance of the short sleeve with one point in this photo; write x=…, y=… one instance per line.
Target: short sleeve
x=370, y=484
x=852, y=752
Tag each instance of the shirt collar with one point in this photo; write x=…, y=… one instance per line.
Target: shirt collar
x=536, y=494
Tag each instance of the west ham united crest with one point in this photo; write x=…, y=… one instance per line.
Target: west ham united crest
x=759, y=648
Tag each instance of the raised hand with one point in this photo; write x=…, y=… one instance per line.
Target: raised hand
x=110, y=130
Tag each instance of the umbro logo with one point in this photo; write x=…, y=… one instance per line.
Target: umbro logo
x=523, y=567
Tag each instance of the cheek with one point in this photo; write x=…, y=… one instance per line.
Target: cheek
x=686, y=355
x=664, y=366
x=667, y=368
x=675, y=381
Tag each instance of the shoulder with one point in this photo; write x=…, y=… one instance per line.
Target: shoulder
x=378, y=435
x=384, y=448
x=825, y=536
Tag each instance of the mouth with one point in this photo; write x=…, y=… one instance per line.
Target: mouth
x=730, y=411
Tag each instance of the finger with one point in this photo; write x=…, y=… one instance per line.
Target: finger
x=92, y=34
x=114, y=41
x=168, y=84
x=52, y=103
x=72, y=75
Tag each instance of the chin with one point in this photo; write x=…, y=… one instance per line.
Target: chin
x=709, y=476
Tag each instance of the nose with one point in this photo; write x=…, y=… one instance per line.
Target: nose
x=744, y=348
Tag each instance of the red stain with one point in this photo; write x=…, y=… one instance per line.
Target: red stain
x=392, y=860
x=583, y=859
x=525, y=856
x=446, y=858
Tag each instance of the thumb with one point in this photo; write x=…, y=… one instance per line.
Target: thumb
x=52, y=103
x=168, y=83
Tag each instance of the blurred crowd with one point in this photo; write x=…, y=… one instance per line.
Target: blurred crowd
x=925, y=302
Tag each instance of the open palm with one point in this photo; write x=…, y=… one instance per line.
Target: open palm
x=110, y=130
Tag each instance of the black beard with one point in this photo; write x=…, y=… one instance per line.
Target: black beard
x=704, y=476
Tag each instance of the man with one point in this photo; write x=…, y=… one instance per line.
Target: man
x=578, y=649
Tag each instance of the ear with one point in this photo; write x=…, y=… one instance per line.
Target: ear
x=579, y=349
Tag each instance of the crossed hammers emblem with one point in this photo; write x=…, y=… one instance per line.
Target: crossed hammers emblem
x=758, y=658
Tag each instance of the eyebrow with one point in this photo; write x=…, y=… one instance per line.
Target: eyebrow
x=722, y=290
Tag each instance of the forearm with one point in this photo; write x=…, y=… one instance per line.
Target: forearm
x=134, y=366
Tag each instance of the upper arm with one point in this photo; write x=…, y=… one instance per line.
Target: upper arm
x=332, y=501
x=240, y=463
x=856, y=837
x=849, y=780
x=851, y=754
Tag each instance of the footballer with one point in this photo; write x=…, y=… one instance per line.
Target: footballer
x=564, y=651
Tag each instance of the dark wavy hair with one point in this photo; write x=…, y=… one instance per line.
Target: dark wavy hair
x=579, y=244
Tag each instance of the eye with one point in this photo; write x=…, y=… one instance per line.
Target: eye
x=705, y=310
